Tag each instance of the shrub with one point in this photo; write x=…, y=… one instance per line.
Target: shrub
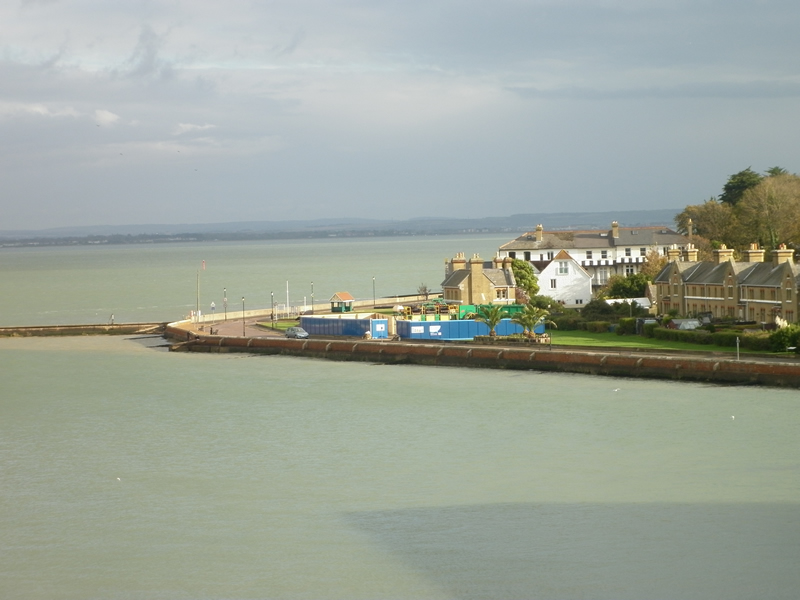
x=759, y=342
x=782, y=339
x=649, y=329
x=598, y=326
x=570, y=322
x=626, y=327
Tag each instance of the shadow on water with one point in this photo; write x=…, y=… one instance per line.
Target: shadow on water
x=561, y=551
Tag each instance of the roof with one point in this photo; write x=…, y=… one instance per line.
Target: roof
x=597, y=238
x=342, y=297
x=456, y=278
x=500, y=277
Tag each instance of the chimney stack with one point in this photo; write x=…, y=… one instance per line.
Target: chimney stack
x=782, y=254
x=723, y=254
x=459, y=262
x=690, y=253
x=476, y=265
x=690, y=228
x=614, y=229
x=673, y=253
x=754, y=254
x=539, y=232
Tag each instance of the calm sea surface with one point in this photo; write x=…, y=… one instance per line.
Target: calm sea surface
x=130, y=472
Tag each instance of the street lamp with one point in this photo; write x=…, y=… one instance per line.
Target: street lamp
x=312, y=297
x=272, y=316
x=373, y=292
x=243, y=334
x=225, y=301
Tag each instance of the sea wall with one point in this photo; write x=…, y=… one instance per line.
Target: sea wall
x=106, y=329
x=568, y=360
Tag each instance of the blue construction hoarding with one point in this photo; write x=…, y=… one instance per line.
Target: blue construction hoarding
x=378, y=328
x=452, y=330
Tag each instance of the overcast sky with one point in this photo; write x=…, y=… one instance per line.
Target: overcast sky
x=202, y=111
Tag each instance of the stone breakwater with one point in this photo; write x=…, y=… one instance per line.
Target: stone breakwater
x=66, y=330
x=779, y=373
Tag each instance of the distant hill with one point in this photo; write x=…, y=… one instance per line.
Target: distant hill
x=326, y=227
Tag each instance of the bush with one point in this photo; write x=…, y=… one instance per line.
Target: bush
x=697, y=336
x=626, y=327
x=570, y=322
x=598, y=326
x=649, y=329
x=596, y=310
x=759, y=342
x=725, y=338
x=782, y=339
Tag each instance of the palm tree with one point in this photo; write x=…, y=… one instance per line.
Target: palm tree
x=491, y=314
x=530, y=317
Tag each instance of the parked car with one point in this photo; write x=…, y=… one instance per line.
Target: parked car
x=296, y=332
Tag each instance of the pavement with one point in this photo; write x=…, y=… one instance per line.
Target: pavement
x=233, y=328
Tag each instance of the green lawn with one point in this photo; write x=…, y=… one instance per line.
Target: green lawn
x=585, y=338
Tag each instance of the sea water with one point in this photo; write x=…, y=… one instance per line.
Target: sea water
x=130, y=472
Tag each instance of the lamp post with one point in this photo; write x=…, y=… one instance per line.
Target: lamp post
x=225, y=301
x=272, y=316
x=243, y=334
x=373, y=291
x=312, y=297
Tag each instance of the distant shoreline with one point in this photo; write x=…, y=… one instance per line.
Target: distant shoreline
x=117, y=239
x=327, y=228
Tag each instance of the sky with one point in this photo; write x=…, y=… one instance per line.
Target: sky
x=178, y=111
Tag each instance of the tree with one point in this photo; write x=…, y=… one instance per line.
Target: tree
x=712, y=220
x=770, y=211
x=423, y=290
x=526, y=280
x=491, y=314
x=530, y=317
x=622, y=286
x=655, y=263
x=543, y=301
x=598, y=310
x=738, y=184
x=774, y=171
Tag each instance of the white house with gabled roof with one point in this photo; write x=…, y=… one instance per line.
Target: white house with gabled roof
x=564, y=279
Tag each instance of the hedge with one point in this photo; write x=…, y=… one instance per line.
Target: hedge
x=597, y=326
x=626, y=326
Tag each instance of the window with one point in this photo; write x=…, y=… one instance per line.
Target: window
x=761, y=296
x=603, y=253
x=512, y=255
x=627, y=251
x=579, y=301
x=552, y=284
x=730, y=292
x=602, y=276
x=642, y=251
x=788, y=294
x=549, y=256
x=563, y=267
x=588, y=255
x=501, y=293
x=630, y=269
x=527, y=256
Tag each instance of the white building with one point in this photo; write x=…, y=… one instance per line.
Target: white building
x=602, y=253
x=565, y=280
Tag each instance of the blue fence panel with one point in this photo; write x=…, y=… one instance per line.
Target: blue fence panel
x=378, y=328
x=452, y=330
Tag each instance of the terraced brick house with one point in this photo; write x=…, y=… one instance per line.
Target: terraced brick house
x=749, y=290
